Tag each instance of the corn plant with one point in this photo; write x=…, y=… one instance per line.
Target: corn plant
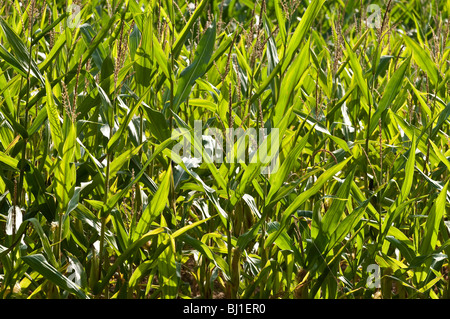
x=336, y=188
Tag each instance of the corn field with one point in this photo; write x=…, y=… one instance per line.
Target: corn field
x=351, y=99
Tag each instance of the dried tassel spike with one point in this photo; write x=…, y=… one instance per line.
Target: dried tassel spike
x=65, y=97
x=51, y=39
x=31, y=17
x=338, y=48
x=209, y=21
x=220, y=22
x=249, y=35
x=21, y=17
x=86, y=79
x=119, y=89
x=230, y=107
x=109, y=8
x=222, y=76
x=75, y=94
x=118, y=59
x=238, y=87
x=381, y=152
x=261, y=117
x=70, y=109
x=181, y=12
x=133, y=192
x=227, y=66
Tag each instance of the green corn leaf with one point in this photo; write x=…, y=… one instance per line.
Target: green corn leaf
x=132, y=248
x=184, y=229
x=196, y=141
x=199, y=245
x=422, y=138
x=443, y=117
x=49, y=27
x=156, y=206
x=181, y=38
x=112, y=201
x=41, y=265
x=160, y=128
x=65, y=174
x=303, y=197
x=255, y=168
x=433, y=222
x=168, y=273
x=38, y=121
x=418, y=95
x=54, y=53
x=143, y=64
x=197, y=68
x=44, y=240
x=11, y=60
x=277, y=179
x=120, y=230
x=8, y=160
x=53, y=117
x=358, y=73
x=107, y=107
x=161, y=58
x=120, y=160
x=390, y=93
x=300, y=31
x=440, y=155
x=409, y=170
x=21, y=51
x=406, y=251
x=331, y=219
x=123, y=126
x=423, y=59
x=281, y=20
x=401, y=203
x=290, y=81
x=16, y=126
x=7, y=94
x=140, y=271
x=346, y=225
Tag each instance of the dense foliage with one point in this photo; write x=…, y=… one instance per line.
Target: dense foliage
x=93, y=97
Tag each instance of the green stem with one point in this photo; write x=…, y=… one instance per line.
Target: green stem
x=105, y=199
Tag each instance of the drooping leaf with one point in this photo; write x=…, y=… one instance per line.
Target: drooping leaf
x=303, y=197
x=301, y=30
x=358, y=73
x=433, y=222
x=156, y=206
x=422, y=59
x=389, y=94
x=197, y=68
x=42, y=266
x=21, y=51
